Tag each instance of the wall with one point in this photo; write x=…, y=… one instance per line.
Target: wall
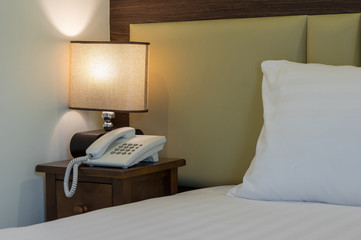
x=36, y=124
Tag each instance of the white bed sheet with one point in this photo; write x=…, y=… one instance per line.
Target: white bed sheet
x=203, y=214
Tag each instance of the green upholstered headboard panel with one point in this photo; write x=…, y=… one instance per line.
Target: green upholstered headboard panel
x=334, y=39
x=205, y=83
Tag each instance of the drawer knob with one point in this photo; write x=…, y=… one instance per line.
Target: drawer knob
x=80, y=209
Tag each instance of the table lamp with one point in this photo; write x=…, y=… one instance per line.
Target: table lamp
x=108, y=77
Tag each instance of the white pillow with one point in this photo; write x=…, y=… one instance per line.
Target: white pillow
x=310, y=146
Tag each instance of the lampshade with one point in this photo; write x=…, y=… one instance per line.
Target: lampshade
x=109, y=76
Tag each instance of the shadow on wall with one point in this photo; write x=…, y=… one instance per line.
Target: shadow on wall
x=61, y=141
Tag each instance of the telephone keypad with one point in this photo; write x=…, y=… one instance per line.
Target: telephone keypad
x=126, y=148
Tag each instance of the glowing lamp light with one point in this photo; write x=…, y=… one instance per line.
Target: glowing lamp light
x=109, y=76
x=68, y=16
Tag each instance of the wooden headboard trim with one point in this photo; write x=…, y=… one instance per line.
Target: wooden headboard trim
x=125, y=12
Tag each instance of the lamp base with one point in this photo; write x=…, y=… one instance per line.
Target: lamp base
x=107, y=117
x=82, y=140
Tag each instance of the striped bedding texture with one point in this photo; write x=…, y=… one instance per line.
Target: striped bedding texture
x=203, y=214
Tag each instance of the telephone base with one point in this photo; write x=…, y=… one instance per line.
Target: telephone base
x=153, y=158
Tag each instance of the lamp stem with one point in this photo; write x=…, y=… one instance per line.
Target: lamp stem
x=107, y=117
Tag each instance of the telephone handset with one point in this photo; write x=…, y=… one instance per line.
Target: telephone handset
x=117, y=148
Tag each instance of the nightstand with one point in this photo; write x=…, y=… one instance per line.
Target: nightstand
x=100, y=187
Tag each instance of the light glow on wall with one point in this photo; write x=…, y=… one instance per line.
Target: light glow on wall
x=70, y=17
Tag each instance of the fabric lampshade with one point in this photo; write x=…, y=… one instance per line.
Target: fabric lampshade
x=109, y=76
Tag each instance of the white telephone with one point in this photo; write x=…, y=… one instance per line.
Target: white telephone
x=117, y=148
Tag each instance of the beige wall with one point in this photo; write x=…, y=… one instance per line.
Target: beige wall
x=35, y=124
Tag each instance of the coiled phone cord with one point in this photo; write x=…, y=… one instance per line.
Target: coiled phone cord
x=73, y=164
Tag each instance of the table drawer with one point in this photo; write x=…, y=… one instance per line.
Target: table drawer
x=88, y=197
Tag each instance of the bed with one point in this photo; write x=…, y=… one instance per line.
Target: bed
x=270, y=101
x=203, y=214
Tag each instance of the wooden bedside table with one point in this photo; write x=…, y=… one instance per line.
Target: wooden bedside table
x=100, y=187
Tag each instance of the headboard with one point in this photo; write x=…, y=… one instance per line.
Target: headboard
x=122, y=13
x=125, y=12
x=205, y=83
x=205, y=89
